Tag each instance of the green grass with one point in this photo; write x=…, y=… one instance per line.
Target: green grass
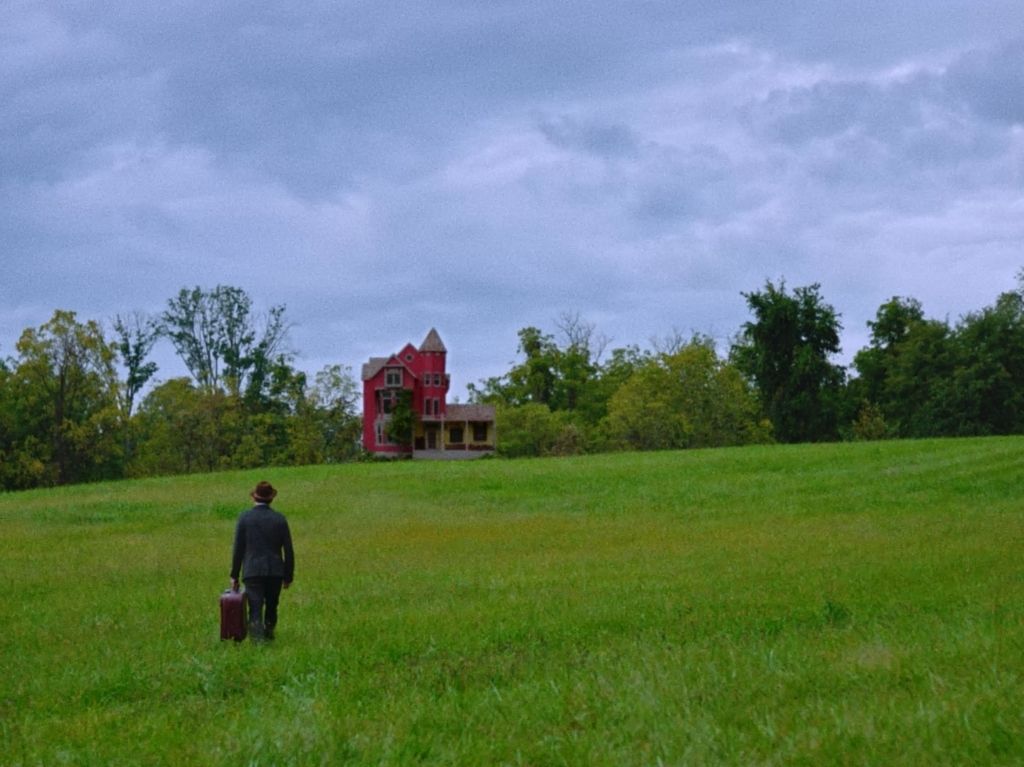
x=838, y=604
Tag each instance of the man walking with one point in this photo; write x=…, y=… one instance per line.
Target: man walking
x=263, y=554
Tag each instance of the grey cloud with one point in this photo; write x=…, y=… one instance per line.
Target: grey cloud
x=54, y=115
x=901, y=142
x=869, y=31
x=698, y=182
x=829, y=108
x=311, y=94
x=800, y=115
x=483, y=166
x=603, y=139
x=991, y=81
x=321, y=95
x=656, y=184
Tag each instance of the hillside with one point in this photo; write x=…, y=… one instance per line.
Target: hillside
x=811, y=604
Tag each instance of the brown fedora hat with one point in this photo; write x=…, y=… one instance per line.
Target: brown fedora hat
x=264, y=492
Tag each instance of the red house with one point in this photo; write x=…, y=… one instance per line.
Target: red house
x=441, y=430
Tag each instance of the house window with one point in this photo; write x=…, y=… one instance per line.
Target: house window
x=479, y=432
x=437, y=406
x=387, y=401
x=382, y=434
x=437, y=379
x=455, y=435
x=428, y=406
x=393, y=377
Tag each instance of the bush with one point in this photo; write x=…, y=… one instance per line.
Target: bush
x=533, y=430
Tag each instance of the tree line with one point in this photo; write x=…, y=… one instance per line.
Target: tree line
x=73, y=408
x=79, y=403
x=778, y=381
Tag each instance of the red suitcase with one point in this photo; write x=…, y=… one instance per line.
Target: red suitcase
x=232, y=615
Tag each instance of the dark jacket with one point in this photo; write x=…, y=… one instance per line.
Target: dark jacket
x=263, y=545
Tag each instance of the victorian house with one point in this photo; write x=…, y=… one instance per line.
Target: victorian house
x=440, y=430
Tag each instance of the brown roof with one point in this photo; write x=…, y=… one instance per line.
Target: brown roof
x=371, y=368
x=432, y=343
x=470, y=413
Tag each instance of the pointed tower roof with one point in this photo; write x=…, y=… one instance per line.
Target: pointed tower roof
x=432, y=343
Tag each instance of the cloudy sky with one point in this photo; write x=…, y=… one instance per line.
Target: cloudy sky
x=483, y=165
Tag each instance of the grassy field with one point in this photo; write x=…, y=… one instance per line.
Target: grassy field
x=840, y=604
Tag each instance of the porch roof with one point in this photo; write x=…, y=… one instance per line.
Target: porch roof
x=484, y=413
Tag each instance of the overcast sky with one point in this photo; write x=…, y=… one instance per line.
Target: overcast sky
x=480, y=166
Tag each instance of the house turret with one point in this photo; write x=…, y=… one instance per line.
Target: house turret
x=433, y=343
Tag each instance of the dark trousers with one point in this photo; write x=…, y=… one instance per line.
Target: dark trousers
x=264, y=594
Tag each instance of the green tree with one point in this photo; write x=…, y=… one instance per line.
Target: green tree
x=686, y=399
x=577, y=362
x=401, y=424
x=548, y=374
x=917, y=392
x=565, y=375
x=893, y=323
x=264, y=439
x=930, y=379
x=988, y=386
x=282, y=416
x=785, y=352
x=533, y=380
x=183, y=429
x=534, y=430
x=870, y=424
x=217, y=336
x=334, y=401
x=66, y=401
x=134, y=339
x=905, y=375
x=608, y=377
x=10, y=473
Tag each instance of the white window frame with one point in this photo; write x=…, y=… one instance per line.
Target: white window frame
x=382, y=434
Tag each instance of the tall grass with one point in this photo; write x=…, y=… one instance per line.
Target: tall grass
x=839, y=604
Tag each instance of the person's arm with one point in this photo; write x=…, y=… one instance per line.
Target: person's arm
x=289, y=556
x=237, y=554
